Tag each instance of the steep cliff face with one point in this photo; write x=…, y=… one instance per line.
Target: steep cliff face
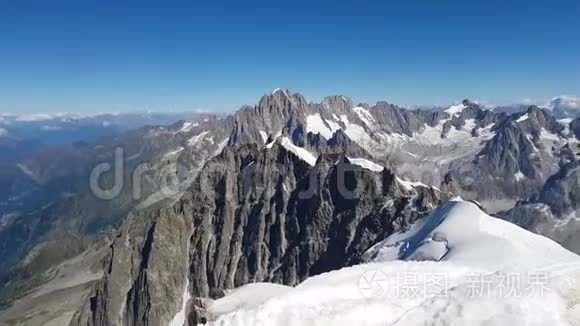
x=562, y=190
x=277, y=192
x=144, y=273
x=553, y=212
x=490, y=154
x=526, y=148
x=253, y=214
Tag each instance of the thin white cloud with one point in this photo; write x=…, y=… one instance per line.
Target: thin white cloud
x=51, y=128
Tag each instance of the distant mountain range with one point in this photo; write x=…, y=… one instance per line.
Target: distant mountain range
x=562, y=107
x=21, y=135
x=276, y=192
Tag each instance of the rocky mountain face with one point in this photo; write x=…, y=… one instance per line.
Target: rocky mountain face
x=59, y=200
x=525, y=150
x=253, y=214
x=561, y=190
x=565, y=106
x=276, y=192
x=553, y=212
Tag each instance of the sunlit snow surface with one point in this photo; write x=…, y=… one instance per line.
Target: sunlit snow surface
x=455, y=109
x=523, y=118
x=467, y=284
x=302, y=153
x=365, y=116
x=366, y=164
x=179, y=318
x=250, y=295
x=316, y=125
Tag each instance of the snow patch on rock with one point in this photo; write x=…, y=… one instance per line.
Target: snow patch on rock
x=357, y=134
x=455, y=109
x=264, y=135
x=316, y=125
x=523, y=118
x=365, y=116
x=366, y=164
x=410, y=185
x=197, y=138
x=179, y=318
x=302, y=153
x=173, y=153
x=187, y=126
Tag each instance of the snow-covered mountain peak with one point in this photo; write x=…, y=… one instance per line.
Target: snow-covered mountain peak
x=281, y=92
x=461, y=232
x=455, y=109
x=492, y=273
x=337, y=103
x=564, y=106
x=567, y=100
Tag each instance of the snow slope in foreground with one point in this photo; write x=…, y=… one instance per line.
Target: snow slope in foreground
x=460, y=232
x=459, y=266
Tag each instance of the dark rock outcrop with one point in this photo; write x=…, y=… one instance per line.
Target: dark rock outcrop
x=562, y=190
x=252, y=215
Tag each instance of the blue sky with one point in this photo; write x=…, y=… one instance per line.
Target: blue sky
x=111, y=56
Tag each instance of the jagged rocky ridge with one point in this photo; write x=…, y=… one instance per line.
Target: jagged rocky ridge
x=250, y=216
x=465, y=149
x=554, y=211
